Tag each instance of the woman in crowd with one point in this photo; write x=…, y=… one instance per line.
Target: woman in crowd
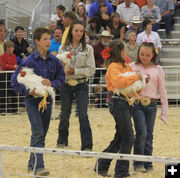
x=82, y=66
x=151, y=12
x=81, y=13
x=93, y=30
x=103, y=15
x=115, y=27
x=131, y=45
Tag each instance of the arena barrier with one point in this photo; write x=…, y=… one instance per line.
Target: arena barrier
x=12, y=101
x=165, y=160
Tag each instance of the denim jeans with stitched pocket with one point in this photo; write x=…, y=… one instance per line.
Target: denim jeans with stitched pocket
x=144, y=119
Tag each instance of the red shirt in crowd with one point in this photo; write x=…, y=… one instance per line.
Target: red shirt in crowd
x=8, y=61
x=140, y=3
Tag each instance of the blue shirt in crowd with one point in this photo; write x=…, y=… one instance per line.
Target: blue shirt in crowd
x=50, y=68
x=94, y=8
x=54, y=46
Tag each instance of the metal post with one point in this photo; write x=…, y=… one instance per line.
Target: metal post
x=1, y=168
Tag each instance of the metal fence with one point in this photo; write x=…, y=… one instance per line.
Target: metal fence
x=10, y=102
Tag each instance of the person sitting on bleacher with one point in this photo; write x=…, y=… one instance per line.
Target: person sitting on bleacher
x=136, y=25
x=127, y=10
x=152, y=12
x=167, y=9
x=51, y=27
x=115, y=27
x=140, y=3
x=21, y=46
x=95, y=6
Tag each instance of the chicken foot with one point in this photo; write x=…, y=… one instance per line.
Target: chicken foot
x=129, y=100
x=43, y=103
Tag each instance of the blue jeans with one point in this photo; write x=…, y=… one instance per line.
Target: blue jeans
x=81, y=94
x=144, y=119
x=155, y=27
x=123, y=139
x=168, y=23
x=39, y=126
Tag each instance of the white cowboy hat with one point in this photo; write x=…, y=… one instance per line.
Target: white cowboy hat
x=136, y=19
x=105, y=33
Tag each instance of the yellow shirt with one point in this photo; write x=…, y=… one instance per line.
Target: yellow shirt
x=114, y=80
x=65, y=35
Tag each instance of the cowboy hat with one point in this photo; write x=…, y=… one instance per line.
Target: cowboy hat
x=136, y=19
x=105, y=33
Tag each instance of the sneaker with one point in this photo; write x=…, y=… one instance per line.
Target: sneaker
x=169, y=36
x=140, y=169
x=41, y=172
x=62, y=145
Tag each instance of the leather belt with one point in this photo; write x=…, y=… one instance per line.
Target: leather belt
x=113, y=95
x=153, y=100
x=74, y=82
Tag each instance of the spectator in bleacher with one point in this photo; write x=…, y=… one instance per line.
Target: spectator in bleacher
x=60, y=10
x=136, y=25
x=131, y=46
x=149, y=36
x=51, y=27
x=21, y=46
x=69, y=17
x=3, y=32
x=95, y=6
x=167, y=9
x=8, y=62
x=152, y=12
x=81, y=14
x=105, y=38
x=103, y=15
x=140, y=3
x=93, y=29
x=115, y=27
x=56, y=41
x=82, y=2
x=127, y=10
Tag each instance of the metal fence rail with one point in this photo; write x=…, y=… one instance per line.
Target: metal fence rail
x=165, y=160
x=11, y=101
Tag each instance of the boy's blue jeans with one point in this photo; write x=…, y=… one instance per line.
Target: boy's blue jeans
x=144, y=119
x=39, y=126
x=81, y=95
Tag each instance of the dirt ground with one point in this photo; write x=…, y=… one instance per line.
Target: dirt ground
x=15, y=130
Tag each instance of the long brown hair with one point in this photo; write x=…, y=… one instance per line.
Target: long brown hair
x=116, y=46
x=150, y=45
x=69, y=38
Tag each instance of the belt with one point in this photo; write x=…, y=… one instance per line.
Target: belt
x=153, y=100
x=74, y=82
x=113, y=95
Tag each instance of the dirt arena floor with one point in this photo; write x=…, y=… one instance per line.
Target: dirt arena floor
x=15, y=130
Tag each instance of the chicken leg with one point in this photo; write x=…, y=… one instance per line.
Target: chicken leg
x=143, y=101
x=129, y=100
x=43, y=103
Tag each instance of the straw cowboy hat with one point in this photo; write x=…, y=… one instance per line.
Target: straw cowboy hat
x=136, y=19
x=105, y=33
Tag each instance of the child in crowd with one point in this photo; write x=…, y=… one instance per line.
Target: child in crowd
x=144, y=116
x=119, y=108
x=8, y=98
x=49, y=67
x=8, y=59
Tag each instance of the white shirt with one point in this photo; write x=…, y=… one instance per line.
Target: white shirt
x=128, y=13
x=153, y=37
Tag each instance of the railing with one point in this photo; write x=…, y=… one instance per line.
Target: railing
x=11, y=101
x=165, y=160
x=14, y=14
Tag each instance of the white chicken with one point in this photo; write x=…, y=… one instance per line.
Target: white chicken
x=65, y=58
x=31, y=81
x=131, y=92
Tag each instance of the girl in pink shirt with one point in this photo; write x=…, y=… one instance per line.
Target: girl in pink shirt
x=144, y=116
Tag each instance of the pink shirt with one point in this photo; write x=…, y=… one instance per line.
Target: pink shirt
x=155, y=84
